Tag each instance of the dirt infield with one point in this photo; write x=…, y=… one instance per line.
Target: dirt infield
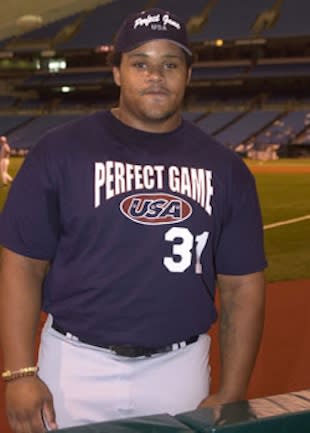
x=283, y=361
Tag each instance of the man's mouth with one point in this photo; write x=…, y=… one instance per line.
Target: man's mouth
x=156, y=92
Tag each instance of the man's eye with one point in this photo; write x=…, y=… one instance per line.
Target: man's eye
x=170, y=65
x=139, y=65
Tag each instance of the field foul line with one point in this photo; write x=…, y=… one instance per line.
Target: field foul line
x=284, y=223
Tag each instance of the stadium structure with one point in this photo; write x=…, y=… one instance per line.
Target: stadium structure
x=250, y=83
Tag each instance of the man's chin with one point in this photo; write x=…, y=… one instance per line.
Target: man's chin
x=158, y=116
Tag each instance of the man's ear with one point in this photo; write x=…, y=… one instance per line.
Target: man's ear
x=116, y=75
x=189, y=75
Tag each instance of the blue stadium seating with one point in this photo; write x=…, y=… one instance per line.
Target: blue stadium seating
x=68, y=79
x=191, y=116
x=293, y=20
x=231, y=19
x=31, y=103
x=226, y=20
x=4, y=42
x=209, y=72
x=98, y=28
x=297, y=120
x=6, y=101
x=181, y=8
x=9, y=123
x=280, y=70
x=230, y=128
x=28, y=134
x=248, y=125
x=215, y=121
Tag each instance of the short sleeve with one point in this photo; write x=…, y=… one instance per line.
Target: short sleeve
x=29, y=222
x=241, y=245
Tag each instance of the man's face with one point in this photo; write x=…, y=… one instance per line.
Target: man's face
x=152, y=78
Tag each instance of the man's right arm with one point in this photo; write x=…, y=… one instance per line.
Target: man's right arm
x=20, y=305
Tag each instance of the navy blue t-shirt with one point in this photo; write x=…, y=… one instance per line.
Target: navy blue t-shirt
x=136, y=226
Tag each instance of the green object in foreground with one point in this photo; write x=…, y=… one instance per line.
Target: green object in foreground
x=284, y=413
x=162, y=423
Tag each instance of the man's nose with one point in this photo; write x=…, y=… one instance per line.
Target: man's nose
x=155, y=72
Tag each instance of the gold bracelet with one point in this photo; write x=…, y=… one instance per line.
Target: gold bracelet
x=22, y=372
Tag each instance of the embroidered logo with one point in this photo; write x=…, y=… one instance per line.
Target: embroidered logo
x=156, y=22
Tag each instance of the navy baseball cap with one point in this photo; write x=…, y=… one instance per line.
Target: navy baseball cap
x=144, y=26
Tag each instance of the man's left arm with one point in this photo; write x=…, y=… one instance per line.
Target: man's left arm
x=242, y=302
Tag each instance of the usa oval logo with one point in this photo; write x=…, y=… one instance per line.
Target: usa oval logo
x=155, y=209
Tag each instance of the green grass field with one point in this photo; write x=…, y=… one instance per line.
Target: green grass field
x=293, y=162
x=283, y=196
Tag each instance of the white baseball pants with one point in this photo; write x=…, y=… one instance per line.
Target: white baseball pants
x=90, y=384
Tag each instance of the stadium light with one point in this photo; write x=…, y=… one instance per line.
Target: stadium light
x=29, y=22
x=66, y=89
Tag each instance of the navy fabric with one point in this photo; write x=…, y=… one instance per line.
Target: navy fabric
x=148, y=25
x=136, y=226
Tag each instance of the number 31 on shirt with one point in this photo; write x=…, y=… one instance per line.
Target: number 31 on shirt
x=184, y=251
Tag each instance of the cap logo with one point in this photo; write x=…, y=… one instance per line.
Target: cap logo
x=156, y=22
x=168, y=20
x=152, y=24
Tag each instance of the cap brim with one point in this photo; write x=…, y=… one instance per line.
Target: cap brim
x=183, y=47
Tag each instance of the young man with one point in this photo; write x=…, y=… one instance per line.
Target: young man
x=126, y=262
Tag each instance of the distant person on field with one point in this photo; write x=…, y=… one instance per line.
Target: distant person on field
x=5, y=152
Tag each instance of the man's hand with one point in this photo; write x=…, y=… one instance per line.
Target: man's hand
x=216, y=399
x=28, y=401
